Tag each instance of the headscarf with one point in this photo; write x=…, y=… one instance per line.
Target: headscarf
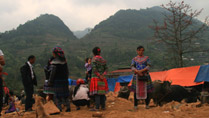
x=59, y=52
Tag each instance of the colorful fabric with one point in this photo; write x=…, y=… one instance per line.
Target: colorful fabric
x=99, y=66
x=149, y=84
x=11, y=108
x=59, y=52
x=48, y=89
x=98, y=86
x=140, y=63
x=141, y=90
x=6, y=90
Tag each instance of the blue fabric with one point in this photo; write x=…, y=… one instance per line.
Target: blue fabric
x=111, y=83
x=71, y=82
x=140, y=62
x=123, y=79
x=203, y=74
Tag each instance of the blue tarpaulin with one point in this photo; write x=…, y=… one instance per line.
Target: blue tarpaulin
x=123, y=79
x=71, y=82
x=111, y=83
x=203, y=74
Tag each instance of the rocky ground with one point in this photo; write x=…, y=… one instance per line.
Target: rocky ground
x=122, y=108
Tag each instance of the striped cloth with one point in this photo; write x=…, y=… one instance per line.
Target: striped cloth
x=98, y=86
x=149, y=84
x=141, y=90
x=48, y=89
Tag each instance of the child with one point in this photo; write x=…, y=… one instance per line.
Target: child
x=80, y=95
x=11, y=103
x=88, y=69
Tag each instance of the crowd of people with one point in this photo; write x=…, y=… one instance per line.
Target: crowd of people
x=93, y=88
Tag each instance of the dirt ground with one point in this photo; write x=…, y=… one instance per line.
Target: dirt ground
x=122, y=108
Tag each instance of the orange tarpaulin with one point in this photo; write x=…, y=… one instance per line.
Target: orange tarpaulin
x=117, y=87
x=183, y=76
x=179, y=76
x=158, y=75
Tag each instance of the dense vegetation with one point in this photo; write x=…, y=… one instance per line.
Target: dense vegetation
x=118, y=37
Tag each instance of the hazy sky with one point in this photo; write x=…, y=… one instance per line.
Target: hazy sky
x=77, y=14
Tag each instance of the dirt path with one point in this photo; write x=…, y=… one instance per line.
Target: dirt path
x=121, y=108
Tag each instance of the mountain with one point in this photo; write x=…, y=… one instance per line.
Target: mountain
x=43, y=25
x=129, y=24
x=118, y=37
x=36, y=37
x=122, y=32
x=80, y=34
x=45, y=30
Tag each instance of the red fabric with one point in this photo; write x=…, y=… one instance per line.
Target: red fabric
x=94, y=85
x=3, y=73
x=141, y=92
x=117, y=87
x=96, y=73
x=80, y=81
x=105, y=72
x=6, y=90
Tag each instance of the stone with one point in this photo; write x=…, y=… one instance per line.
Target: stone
x=51, y=108
x=40, y=110
x=97, y=114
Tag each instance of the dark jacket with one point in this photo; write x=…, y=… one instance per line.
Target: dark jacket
x=26, y=76
x=59, y=71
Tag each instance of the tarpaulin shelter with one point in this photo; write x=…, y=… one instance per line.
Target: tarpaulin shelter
x=114, y=83
x=186, y=76
x=203, y=74
x=183, y=76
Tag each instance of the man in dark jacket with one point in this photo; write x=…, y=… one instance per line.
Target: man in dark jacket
x=29, y=79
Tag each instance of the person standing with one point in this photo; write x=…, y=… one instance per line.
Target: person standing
x=2, y=63
x=98, y=85
x=48, y=90
x=141, y=82
x=29, y=80
x=59, y=78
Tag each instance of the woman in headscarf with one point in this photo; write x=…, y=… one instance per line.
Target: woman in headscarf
x=98, y=85
x=59, y=78
x=141, y=83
